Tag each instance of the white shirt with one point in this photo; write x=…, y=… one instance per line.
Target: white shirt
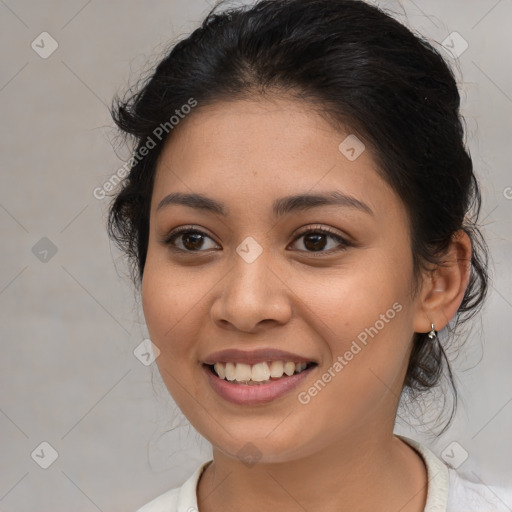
x=448, y=491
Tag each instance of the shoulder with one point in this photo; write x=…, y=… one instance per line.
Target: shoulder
x=450, y=490
x=467, y=495
x=180, y=498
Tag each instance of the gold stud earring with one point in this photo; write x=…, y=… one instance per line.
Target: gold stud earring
x=433, y=333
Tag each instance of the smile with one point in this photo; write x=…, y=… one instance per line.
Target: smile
x=260, y=383
x=257, y=373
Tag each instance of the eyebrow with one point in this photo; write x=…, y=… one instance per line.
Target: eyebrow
x=280, y=207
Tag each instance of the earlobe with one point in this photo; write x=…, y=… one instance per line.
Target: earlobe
x=444, y=286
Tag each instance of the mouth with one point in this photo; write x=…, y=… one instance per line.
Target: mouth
x=257, y=374
x=257, y=384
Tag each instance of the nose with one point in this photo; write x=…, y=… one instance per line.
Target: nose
x=252, y=298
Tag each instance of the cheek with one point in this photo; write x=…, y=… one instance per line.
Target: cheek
x=365, y=317
x=171, y=302
x=348, y=300
x=169, y=298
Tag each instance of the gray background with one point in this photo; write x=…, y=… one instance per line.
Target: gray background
x=70, y=321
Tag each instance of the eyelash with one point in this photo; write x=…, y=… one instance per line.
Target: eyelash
x=169, y=240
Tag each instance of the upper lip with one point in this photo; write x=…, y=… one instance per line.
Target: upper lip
x=234, y=355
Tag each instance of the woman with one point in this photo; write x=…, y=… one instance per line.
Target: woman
x=301, y=216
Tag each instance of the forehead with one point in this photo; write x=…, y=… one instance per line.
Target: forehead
x=244, y=128
x=262, y=149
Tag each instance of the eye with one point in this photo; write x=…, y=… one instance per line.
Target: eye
x=316, y=240
x=188, y=239
x=192, y=240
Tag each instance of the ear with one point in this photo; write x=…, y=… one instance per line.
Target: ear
x=444, y=286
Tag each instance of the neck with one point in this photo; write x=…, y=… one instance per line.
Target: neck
x=364, y=471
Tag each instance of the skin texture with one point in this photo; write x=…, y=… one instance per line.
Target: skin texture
x=338, y=451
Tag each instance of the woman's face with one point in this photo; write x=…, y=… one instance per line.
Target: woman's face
x=262, y=276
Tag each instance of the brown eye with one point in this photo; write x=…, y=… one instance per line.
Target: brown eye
x=317, y=240
x=192, y=240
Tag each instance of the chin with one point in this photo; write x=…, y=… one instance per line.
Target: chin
x=251, y=448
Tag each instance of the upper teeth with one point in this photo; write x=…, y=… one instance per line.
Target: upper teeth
x=257, y=372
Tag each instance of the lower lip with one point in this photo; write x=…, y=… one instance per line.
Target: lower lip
x=245, y=394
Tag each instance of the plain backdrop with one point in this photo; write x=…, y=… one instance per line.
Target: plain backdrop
x=70, y=318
